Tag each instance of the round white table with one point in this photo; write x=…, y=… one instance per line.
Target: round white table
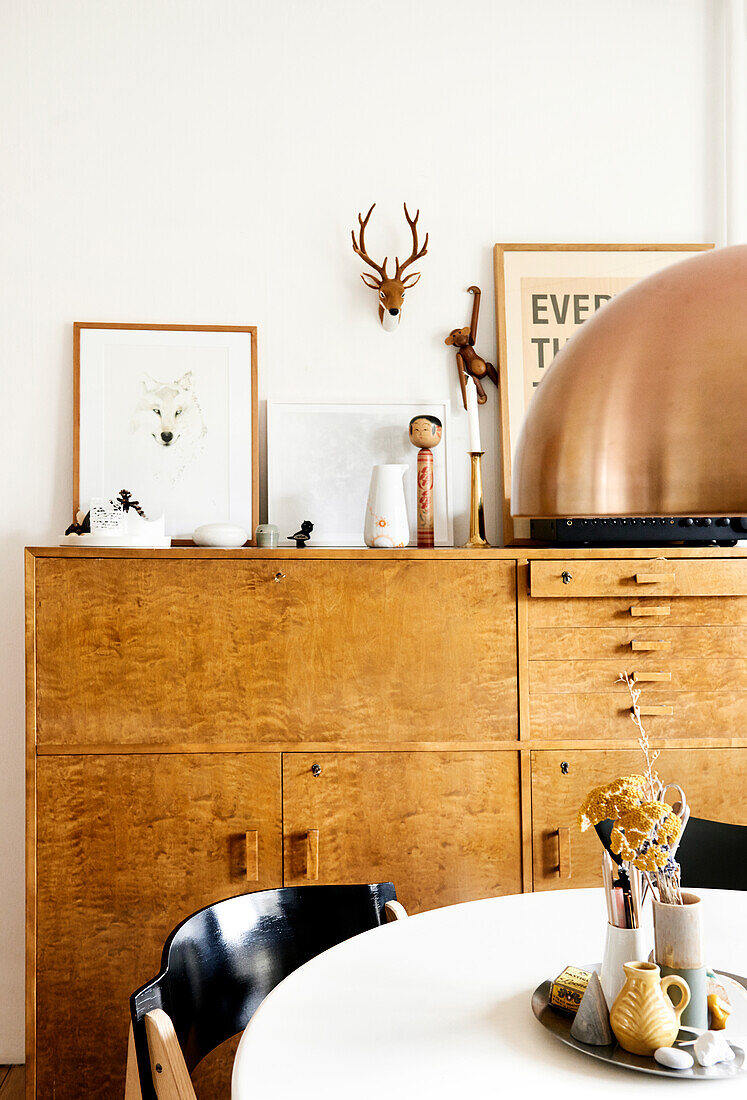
x=438, y=1005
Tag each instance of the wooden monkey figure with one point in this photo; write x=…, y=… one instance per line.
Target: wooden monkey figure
x=468, y=361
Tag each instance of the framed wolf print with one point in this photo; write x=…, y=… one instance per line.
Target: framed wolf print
x=168, y=412
x=543, y=293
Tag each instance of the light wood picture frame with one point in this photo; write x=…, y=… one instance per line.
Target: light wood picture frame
x=171, y=412
x=543, y=292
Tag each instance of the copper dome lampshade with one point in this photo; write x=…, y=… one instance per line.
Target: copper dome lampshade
x=644, y=411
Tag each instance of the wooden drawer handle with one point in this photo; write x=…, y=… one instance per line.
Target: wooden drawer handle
x=563, y=869
x=652, y=677
x=252, y=855
x=651, y=609
x=654, y=578
x=643, y=645
x=312, y=855
x=652, y=711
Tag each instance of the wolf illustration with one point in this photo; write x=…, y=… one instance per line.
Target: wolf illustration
x=168, y=418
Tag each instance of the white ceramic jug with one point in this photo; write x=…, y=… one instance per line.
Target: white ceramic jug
x=386, y=511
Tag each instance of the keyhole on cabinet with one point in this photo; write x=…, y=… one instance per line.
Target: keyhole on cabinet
x=566, y=576
x=279, y=577
x=565, y=767
x=316, y=770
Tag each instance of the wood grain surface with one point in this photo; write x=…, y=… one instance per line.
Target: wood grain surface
x=443, y=827
x=531, y=550
x=687, y=674
x=12, y=1083
x=621, y=643
x=214, y=651
x=728, y=611
x=128, y=847
x=606, y=715
x=713, y=780
x=618, y=578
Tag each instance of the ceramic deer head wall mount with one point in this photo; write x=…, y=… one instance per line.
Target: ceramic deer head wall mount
x=392, y=289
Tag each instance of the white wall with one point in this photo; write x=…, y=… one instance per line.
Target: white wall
x=203, y=161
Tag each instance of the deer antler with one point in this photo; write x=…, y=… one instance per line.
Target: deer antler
x=359, y=247
x=415, y=254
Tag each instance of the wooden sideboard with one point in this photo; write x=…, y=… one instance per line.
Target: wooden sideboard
x=202, y=723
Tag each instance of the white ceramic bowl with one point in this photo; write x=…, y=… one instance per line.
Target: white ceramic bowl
x=228, y=536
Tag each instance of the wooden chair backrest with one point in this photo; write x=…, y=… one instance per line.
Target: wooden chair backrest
x=713, y=854
x=221, y=962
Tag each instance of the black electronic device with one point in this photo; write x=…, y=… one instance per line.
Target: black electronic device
x=642, y=531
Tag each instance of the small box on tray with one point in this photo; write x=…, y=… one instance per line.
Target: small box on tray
x=568, y=989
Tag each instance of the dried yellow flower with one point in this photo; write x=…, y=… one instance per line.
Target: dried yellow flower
x=645, y=834
x=612, y=800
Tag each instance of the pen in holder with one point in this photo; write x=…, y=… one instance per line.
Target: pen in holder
x=477, y=538
x=625, y=940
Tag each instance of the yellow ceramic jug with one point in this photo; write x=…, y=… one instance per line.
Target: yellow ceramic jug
x=643, y=1017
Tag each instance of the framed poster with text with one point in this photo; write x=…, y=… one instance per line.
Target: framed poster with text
x=543, y=293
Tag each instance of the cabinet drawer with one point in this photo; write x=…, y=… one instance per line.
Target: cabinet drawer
x=638, y=577
x=727, y=611
x=714, y=780
x=145, y=651
x=633, y=642
x=606, y=716
x=444, y=827
x=659, y=671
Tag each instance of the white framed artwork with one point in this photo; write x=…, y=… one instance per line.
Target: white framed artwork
x=320, y=458
x=170, y=413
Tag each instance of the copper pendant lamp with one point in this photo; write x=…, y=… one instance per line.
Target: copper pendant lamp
x=644, y=411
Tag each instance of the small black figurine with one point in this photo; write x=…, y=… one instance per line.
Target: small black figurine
x=82, y=528
x=303, y=536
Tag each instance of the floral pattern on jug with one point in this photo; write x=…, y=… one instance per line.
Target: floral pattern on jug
x=643, y=1017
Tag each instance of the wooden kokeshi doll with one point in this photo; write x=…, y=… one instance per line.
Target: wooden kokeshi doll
x=425, y=433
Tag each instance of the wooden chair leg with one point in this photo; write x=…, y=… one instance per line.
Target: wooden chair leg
x=132, y=1082
x=394, y=910
x=170, y=1074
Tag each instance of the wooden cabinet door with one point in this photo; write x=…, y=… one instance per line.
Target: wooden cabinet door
x=405, y=651
x=144, y=651
x=127, y=847
x=443, y=827
x=152, y=651
x=714, y=781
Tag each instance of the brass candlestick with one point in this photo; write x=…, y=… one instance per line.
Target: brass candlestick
x=477, y=540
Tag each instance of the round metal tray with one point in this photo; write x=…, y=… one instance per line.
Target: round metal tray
x=559, y=1024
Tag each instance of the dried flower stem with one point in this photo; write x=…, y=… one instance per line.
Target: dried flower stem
x=667, y=886
x=654, y=783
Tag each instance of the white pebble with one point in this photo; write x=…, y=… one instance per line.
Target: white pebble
x=711, y=1047
x=674, y=1058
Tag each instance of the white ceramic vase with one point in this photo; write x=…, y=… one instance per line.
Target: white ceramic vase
x=622, y=945
x=386, y=511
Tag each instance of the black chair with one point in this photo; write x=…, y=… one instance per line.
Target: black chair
x=713, y=854
x=220, y=963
